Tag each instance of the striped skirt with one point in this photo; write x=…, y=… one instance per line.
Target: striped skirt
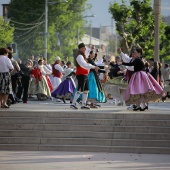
x=5, y=83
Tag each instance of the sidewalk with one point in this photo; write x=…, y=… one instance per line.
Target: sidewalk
x=53, y=106
x=20, y=160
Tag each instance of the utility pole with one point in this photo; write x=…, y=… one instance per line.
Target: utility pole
x=157, y=11
x=46, y=29
x=46, y=24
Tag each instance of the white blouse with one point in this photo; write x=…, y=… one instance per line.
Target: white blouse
x=5, y=64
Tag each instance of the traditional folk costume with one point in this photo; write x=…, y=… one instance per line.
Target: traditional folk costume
x=130, y=69
x=142, y=88
x=57, y=71
x=82, y=71
x=39, y=84
x=66, y=87
x=96, y=91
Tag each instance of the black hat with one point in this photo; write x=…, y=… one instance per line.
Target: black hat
x=81, y=45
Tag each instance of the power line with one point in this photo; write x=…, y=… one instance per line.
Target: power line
x=33, y=23
x=29, y=27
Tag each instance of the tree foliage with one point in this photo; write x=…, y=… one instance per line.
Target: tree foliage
x=6, y=33
x=135, y=23
x=165, y=45
x=63, y=19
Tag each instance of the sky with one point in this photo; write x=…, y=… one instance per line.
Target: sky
x=100, y=10
x=103, y=17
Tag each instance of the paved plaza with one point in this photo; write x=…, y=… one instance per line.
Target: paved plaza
x=109, y=106
x=39, y=160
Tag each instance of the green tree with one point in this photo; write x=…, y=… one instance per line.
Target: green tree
x=6, y=33
x=64, y=18
x=135, y=23
x=165, y=45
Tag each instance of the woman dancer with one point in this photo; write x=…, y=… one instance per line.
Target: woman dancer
x=41, y=87
x=142, y=88
x=96, y=92
x=67, y=86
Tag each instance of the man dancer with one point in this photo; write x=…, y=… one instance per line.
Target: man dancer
x=82, y=71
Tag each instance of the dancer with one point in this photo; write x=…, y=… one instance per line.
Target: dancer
x=68, y=86
x=57, y=72
x=96, y=92
x=142, y=87
x=82, y=71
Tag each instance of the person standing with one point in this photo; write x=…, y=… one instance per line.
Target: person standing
x=26, y=72
x=5, y=77
x=14, y=77
x=82, y=71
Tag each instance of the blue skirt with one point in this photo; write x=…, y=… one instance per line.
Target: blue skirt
x=94, y=92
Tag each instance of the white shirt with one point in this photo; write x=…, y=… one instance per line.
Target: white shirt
x=127, y=59
x=59, y=68
x=83, y=63
x=48, y=66
x=44, y=70
x=5, y=64
x=67, y=71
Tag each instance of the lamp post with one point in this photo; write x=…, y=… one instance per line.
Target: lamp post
x=157, y=10
x=46, y=25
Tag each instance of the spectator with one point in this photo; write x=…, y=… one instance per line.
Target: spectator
x=5, y=78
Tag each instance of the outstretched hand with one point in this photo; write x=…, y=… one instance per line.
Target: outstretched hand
x=96, y=68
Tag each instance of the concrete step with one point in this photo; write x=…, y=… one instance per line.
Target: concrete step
x=92, y=114
x=85, y=131
x=84, y=134
x=85, y=141
x=93, y=128
x=106, y=135
x=86, y=121
x=86, y=148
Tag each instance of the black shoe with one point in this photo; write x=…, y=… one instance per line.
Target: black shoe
x=134, y=106
x=85, y=107
x=145, y=108
x=73, y=107
x=164, y=98
x=137, y=108
x=63, y=100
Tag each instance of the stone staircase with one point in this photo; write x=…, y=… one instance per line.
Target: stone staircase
x=85, y=131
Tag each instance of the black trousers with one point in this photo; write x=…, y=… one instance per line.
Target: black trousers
x=82, y=83
x=23, y=88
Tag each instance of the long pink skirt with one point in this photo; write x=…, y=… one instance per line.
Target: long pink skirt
x=142, y=84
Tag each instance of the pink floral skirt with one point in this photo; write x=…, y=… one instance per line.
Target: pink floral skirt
x=142, y=84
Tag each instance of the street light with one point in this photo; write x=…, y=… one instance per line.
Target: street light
x=46, y=24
